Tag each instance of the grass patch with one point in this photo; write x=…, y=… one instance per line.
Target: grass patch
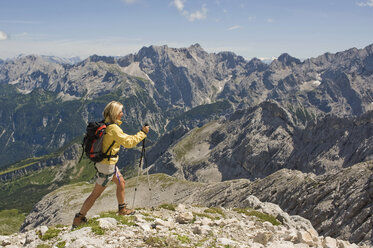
x=202, y=215
x=215, y=210
x=43, y=246
x=123, y=219
x=10, y=221
x=156, y=242
x=61, y=244
x=149, y=219
x=50, y=234
x=94, y=225
x=183, y=239
x=261, y=216
x=168, y=206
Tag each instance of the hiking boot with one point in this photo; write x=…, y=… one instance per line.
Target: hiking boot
x=78, y=220
x=123, y=210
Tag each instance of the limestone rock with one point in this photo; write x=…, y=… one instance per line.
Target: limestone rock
x=149, y=228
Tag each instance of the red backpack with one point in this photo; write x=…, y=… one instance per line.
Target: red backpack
x=92, y=142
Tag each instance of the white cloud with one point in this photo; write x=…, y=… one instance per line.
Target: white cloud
x=269, y=20
x=367, y=3
x=3, y=35
x=234, y=27
x=179, y=4
x=196, y=15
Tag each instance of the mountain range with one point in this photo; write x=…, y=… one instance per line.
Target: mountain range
x=214, y=117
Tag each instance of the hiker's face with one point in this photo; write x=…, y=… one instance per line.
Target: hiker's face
x=120, y=115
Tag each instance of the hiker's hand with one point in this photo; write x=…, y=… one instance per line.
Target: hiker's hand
x=145, y=129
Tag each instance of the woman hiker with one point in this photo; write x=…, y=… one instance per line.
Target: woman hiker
x=106, y=169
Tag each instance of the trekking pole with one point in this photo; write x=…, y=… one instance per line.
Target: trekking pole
x=139, y=170
x=146, y=166
x=147, y=173
x=137, y=179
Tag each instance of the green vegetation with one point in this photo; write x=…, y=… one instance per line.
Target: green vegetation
x=215, y=210
x=10, y=221
x=50, y=234
x=32, y=120
x=261, y=216
x=94, y=225
x=43, y=246
x=205, y=216
x=23, y=193
x=61, y=244
x=187, y=144
x=183, y=239
x=168, y=206
x=123, y=219
x=81, y=172
x=156, y=242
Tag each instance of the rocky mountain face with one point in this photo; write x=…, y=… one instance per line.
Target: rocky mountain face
x=258, y=141
x=160, y=83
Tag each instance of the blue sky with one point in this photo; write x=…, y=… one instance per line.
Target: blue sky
x=250, y=28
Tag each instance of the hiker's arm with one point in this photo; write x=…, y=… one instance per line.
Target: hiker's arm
x=127, y=141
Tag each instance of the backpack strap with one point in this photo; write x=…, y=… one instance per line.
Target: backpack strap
x=110, y=156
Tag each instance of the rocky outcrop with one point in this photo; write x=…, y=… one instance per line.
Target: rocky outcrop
x=259, y=225
x=337, y=204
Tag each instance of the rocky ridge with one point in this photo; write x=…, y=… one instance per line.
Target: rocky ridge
x=184, y=226
x=338, y=204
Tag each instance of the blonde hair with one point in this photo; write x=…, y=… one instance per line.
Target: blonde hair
x=112, y=110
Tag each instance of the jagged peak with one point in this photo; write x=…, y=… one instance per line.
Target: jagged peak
x=151, y=51
x=256, y=64
x=288, y=60
x=256, y=60
x=227, y=54
x=97, y=58
x=196, y=46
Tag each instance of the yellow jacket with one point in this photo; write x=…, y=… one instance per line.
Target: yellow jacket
x=115, y=133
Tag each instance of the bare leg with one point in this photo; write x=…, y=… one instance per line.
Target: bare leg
x=96, y=192
x=120, y=187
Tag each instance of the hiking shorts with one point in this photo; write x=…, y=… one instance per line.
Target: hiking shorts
x=105, y=173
